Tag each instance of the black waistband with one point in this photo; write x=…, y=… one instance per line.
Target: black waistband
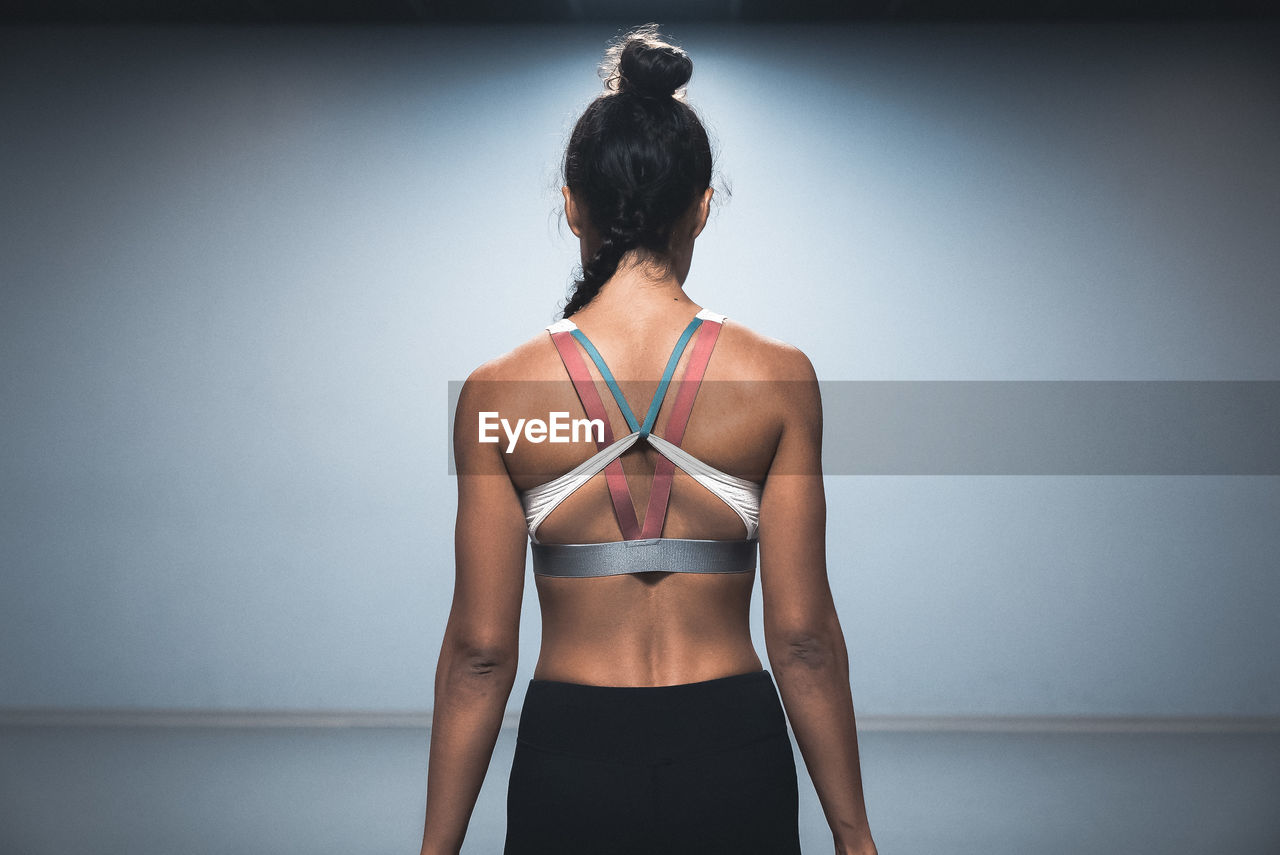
x=651, y=724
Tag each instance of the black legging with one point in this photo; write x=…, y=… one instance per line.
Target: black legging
x=702, y=767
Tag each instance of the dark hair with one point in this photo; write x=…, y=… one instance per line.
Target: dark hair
x=638, y=156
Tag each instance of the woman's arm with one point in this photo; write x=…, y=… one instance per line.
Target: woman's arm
x=477, y=663
x=803, y=638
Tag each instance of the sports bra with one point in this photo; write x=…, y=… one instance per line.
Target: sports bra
x=642, y=548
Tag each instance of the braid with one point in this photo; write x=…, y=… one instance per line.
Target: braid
x=599, y=269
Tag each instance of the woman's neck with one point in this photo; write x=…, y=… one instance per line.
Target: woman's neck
x=637, y=294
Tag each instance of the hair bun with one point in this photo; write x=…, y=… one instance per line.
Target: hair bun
x=645, y=65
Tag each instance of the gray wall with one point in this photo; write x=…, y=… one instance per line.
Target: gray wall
x=239, y=267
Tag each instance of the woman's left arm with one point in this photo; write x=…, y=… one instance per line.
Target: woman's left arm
x=477, y=664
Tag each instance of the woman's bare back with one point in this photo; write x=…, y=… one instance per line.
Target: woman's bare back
x=652, y=628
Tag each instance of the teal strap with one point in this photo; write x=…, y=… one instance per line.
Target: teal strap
x=656, y=404
x=608, y=377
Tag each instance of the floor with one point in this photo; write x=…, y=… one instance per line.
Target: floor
x=141, y=790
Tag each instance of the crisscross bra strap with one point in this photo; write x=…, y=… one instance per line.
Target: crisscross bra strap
x=655, y=514
x=563, y=334
x=741, y=495
x=656, y=404
x=594, y=407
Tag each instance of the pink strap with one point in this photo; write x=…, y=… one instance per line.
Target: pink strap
x=623, y=506
x=660, y=492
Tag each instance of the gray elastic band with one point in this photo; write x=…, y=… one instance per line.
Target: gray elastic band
x=665, y=554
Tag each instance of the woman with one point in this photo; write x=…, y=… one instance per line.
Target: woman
x=650, y=724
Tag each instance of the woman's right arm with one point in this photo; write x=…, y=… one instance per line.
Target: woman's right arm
x=804, y=642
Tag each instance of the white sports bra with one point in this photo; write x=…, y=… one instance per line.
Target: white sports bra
x=642, y=547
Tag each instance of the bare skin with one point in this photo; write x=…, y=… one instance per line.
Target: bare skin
x=757, y=416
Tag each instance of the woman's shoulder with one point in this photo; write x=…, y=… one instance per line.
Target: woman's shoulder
x=764, y=356
x=532, y=359
x=503, y=381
